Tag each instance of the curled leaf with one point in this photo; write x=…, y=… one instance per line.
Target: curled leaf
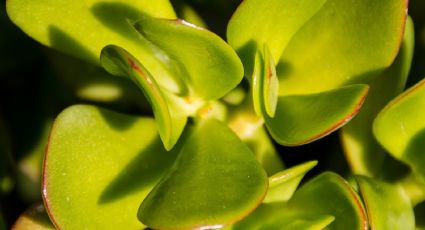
x=170, y=119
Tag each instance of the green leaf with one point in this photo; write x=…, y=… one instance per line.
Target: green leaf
x=271, y=22
x=400, y=127
x=93, y=84
x=83, y=28
x=98, y=166
x=214, y=182
x=329, y=194
x=264, y=83
x=35, y=218
x=170, y=119
x=189, y=14
x=345, y=42
x=301, y=119
x=206, y=63
x=388, y=206
x=282, y=185
x=277, y=215
x=364, y=154
x=250, y=130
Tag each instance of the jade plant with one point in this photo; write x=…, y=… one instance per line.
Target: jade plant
x=201, y=149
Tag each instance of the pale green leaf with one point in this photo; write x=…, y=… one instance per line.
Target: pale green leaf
x=282, y=185
x=345, y=42
x=206, y=63
x=400, y=127
x=83, y=28
x=387, y=205
x=98, y=166
x=301, y=119
x=278, y=215
x=215, y=181
x=169, y=118
x=365, y=156
x=271, y=22
x=329, y=194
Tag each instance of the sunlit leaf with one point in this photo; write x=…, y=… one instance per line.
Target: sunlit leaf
x=170, y=120
x=271, y=22
x=277, y=215
x=83, y=28
x=207, y=64
x=189, y=14
x=345, y=42
x=329, y=194
x=301, y=119
x=400, y=129
x=35, y=218
x=282, y=185
x=249, y=127
x=264, y=83
x=215, y=181
x=98, y=166
x=387, y=205
x=364, y=154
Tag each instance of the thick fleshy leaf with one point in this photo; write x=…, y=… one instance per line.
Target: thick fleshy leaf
x=93, y=84
x=251, y=131
x=98, y=166
x=387, y=205
x=277, y=215
x=189, y=14
x=329, y=194
x=207, y=64
x=35, y=218
x=364, y=154
x=264, y=83
x=282, y=185
x=400, y=127
x=83, y=28
x=272, y=22
x=215, y=181
x=170, y=119
x=345, y=42
x=301, y=119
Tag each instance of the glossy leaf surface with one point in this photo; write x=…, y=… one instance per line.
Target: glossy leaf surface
x=170, y=120
x=207, y=63
x=271, y=22
x=387, y=205
x=83, y=28
x=251, y=131
x=35, y=218
x=278, y=215
x=301, y=119
x=264, y=83
x=98, y=166
x=345, y=42
x=215, y=181
x=329, y=194
x=282, y=185
x=400, y=127
x=364, y=154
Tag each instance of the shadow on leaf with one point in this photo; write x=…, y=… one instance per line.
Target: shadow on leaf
x=121, y=12
x=143, y=171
